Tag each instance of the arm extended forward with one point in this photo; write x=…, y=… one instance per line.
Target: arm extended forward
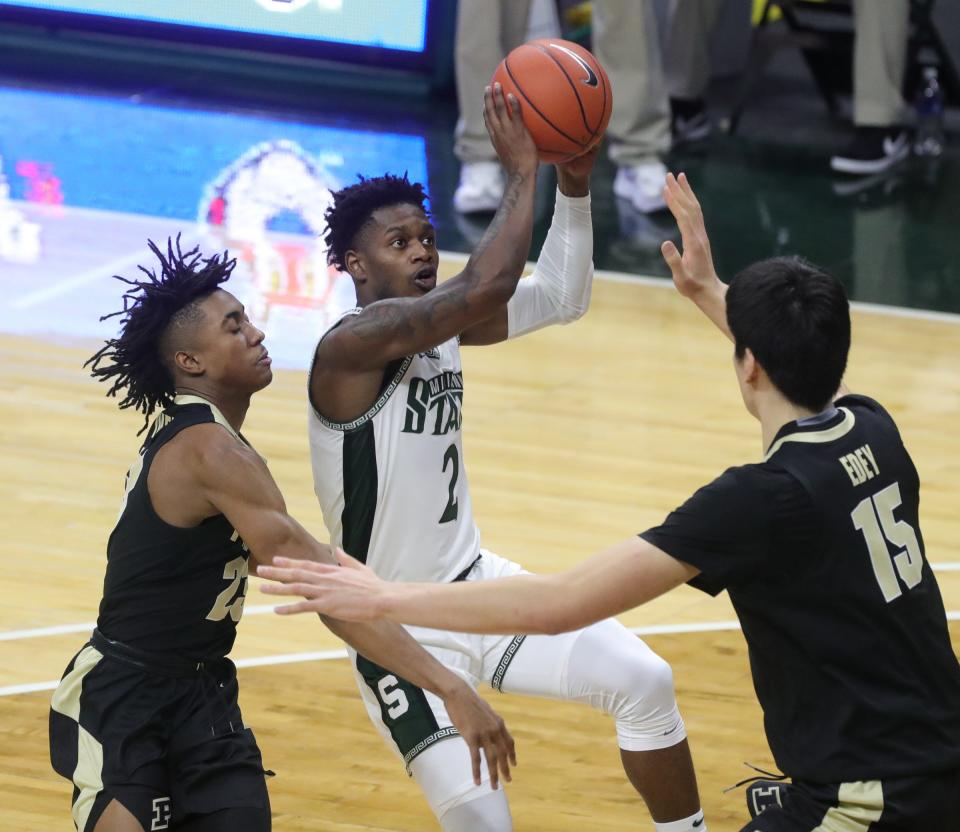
x=237, y=482
x=619, y=578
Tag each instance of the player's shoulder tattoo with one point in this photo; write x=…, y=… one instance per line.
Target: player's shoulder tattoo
x=379, y=319
x=409, y=317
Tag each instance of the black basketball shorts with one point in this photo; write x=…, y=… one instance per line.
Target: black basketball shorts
x=925, y=803
x=163, y=744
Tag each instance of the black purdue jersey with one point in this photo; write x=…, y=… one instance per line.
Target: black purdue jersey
x=819, y=547
x=170, y=589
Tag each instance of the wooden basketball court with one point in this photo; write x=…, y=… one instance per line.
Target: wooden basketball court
x=575, y=438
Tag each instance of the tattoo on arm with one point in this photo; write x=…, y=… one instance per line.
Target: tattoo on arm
x=404, y=319
x=511, y=197
x=378, y=319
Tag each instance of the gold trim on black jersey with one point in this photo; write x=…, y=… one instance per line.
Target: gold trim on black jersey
x=826, y=435
x=218, y=417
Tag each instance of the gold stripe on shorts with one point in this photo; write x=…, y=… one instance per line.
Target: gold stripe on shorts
x=88, y=775
x=858, y=805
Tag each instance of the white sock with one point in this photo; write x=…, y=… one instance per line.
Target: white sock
x=694, y=823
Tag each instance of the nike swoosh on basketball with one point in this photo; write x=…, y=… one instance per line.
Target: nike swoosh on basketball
x=591, y=80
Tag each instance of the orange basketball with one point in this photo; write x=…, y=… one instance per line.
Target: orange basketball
x=564, y=93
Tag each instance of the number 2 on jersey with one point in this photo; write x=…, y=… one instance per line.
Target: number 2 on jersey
x=451, y=510
x=874, y=518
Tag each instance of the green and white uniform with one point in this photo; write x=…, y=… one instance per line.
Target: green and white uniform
x=391, y=483
x=393, y=491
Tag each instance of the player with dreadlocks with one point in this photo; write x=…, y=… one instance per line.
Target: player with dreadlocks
x=145, y=721
x=386, y=391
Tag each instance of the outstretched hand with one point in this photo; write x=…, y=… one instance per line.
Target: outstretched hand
x=349, y=592
x=353, y=592
x=692, y=271
x=508, y=133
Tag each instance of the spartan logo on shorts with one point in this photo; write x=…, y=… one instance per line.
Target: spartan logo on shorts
x=161, y=814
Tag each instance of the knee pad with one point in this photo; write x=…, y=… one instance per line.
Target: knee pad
x=487, y=813
x=445, y=776
x=616, y=672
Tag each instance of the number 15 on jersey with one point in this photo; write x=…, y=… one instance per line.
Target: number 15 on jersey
x=873, y=517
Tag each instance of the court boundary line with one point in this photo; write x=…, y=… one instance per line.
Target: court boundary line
x=609, y=275
x=258, y=609
x=881, y=309
x=330, y=655
x=91, y=275
x=87, y=626
x=612, y=276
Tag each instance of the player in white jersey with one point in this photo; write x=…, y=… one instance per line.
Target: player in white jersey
x=375, y=490
x=386, y=391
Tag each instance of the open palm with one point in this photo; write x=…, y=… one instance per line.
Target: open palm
x=692, y=270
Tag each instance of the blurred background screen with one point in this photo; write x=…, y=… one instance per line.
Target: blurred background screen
x=384, y=24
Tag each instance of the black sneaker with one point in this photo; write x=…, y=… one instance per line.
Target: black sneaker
x=765, y=794
x=873, y=150
x=872, y=191
x=689, y=121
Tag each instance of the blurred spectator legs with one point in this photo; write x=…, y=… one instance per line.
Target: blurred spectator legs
x=486, y=31
x=687, y=66
x=626, y=41
x=880, y=52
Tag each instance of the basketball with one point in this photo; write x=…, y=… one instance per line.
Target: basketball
x=564, y=94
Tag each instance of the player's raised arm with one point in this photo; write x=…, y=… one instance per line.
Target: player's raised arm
x=234, y=480
x=692, y=270
x=400, y=326
x=617, y=579
x=558, y=291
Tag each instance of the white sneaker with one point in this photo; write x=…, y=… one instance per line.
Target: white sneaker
x=480, y=189
x=642, y=185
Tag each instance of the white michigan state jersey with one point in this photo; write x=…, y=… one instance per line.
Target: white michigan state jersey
x=391, y=483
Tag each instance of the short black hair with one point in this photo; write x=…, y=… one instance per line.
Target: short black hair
x=795, y=319
x=354, y=205
x=151, y=308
